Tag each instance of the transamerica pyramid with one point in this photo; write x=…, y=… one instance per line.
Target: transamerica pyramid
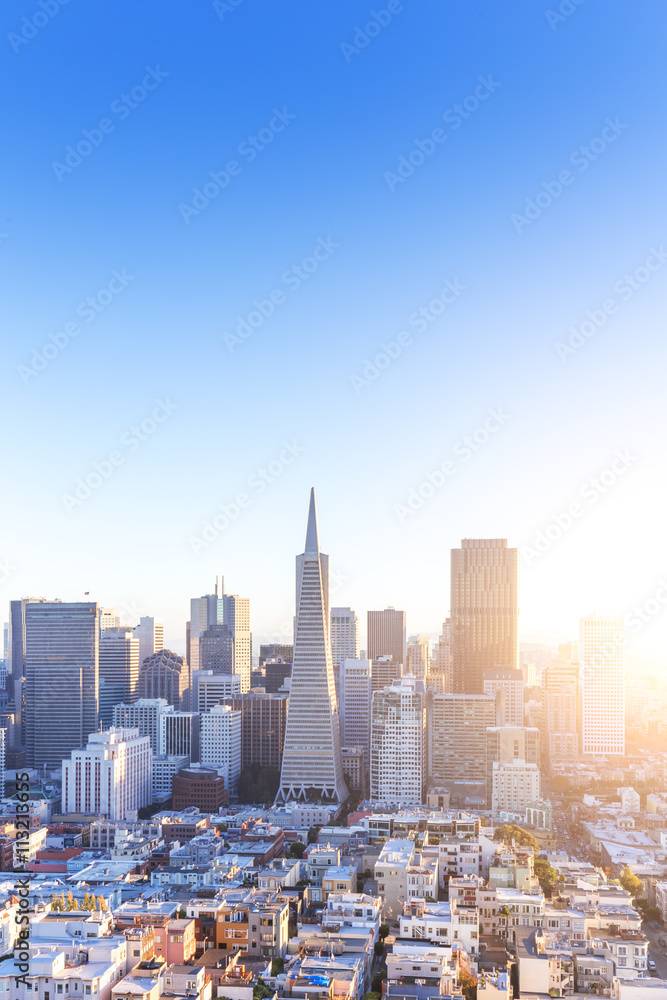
x=312, y=764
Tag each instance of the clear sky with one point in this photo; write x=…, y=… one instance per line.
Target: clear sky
x=338, y=167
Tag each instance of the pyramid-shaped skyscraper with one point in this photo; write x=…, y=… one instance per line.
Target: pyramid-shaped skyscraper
x=312, y=763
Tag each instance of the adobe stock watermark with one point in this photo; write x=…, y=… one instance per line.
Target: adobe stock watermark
x=419, y=320
x=590, y=491
x=224, y=7
x=31, y=26
x=642, y=614
x=88, y=310
x=581, y=158
x=131, y=440
x=257, y=484
x=122, y=107
x=249, y=149
x=565, y=9
x=292, y=279
x=7, y=569
x=464, y=449
x=454, y=117
x=625, y=288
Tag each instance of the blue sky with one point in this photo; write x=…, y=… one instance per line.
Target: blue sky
x=333, y=126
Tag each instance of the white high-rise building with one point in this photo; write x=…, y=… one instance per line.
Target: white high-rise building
x=179, y=735
x=150, y=634
x=109, y=618
x=220, y=737
x=397, y=743
x=344, y=636
x=111, y=777
x=418, y=658
x=506, y=686
x=602, y=680
x=143, y=715
x=516, y=785
x=355, y=705
x=210, y=688
x=236, y=616
x=312, y=759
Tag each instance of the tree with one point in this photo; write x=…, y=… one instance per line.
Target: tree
x=508, y=832
x=546, y=875
x=93, y=901
x=468, y=984
x=258, y=784
x=373, y=996
x=101, y=903
x=277, y=966
x=260, y=990
x=297, y=849
x=383, y=931
x=630, y=882
x=312, y=834
x=379, y=948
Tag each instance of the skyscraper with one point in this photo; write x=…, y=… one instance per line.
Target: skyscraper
x=311, y=753
x=484, y=611
x=602, y=680
x=418, y=658
x=355, y=705
x=216, y=650
x=397, y=743
x=62, y=679
x=110, y=777
x=119, y=660
x=344, y=636
x=16, y=647
x=507, y=688
x=236, y=616
x=456, y=727
x=150, y=634
x=386, y=634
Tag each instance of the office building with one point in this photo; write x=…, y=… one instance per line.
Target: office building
x=263, y=722
x=61, y=679
x=484, y=611
x=602, y=685
x=150, y=633
x=440, y=672
x=201, y=787
x=16, y=663
x=220, y=737
x=216, y=649
x=179, y=735
x=506, y=686
x=561, y=699
x=119, y=660
x=204, y=611
x=397, y=743
x=277, y=675
x=384, y=671
x=386, y=634
x=209, y=689
x=418, y=656
x=236, y=616
x=269, y=651
x=164, y=770
x=456, y=727
x=144, y=716
x=111, y=777
x=311, y=754
x=355, y=705
x=164, y=675
x=108, y=618
x=344, y=636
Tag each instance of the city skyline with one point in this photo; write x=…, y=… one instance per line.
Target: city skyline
x=448, y=259
x=175, y=632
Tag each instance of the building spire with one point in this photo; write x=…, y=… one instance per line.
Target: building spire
x=312, y=541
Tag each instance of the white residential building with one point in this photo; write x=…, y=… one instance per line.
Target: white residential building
x=220, y=736
x=397, y=742
x=515, y=786
x=602, y=680
x=110, y=777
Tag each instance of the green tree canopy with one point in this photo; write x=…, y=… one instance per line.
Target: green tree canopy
x=508, y=832
x=630, y=882
x=258, y=784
